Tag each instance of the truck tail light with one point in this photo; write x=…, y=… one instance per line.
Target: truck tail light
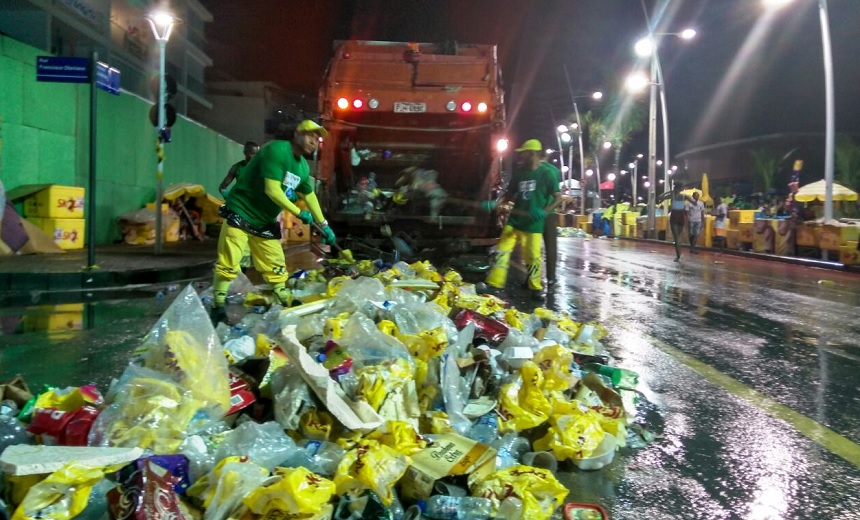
x=466, y=106
x=357, y=103
x=343, y=103
x=482, y=107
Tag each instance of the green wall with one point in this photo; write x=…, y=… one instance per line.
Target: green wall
x=45, y=139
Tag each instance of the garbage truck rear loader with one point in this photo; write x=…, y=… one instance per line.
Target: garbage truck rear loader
x=417, y=132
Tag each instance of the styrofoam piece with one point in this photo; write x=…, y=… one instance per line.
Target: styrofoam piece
x=25, y=459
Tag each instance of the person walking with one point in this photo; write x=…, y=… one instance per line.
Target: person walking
x=721, y=214
x=677, y=215
x=534, y=190
x=250, y=150
x=695, y=216
x=271, y=182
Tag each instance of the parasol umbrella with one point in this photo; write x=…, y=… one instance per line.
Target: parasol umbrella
x=607, y=185
x=815, y=191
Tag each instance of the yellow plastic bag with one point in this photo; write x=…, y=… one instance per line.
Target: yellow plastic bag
x=537, y=488
x=554, y=361
x=189, y=363
x=572, y=436
x=316, y=425
x=231, y=479
x=522, y=404
x=68, y=399
x=335, y=284
x=298, y=492
x=399, y=436
x=373, y=466
x=62, y=495
x=427, y=344
x=377, y=382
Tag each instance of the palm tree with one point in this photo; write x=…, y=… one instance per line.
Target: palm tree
x=766, y=164
x=848, y=162
x=621, y=118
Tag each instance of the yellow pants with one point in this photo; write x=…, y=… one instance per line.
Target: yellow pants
x=531, y=248
x=266, y=253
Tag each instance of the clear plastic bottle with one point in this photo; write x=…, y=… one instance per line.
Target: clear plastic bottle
x=441, y=507
x=486, y=428
x=510, y=509
x=620, y=377
x=321, y=457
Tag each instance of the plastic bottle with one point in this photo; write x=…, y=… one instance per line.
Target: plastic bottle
x=321, y=457
x=509, y=450
x=510, y=509
x=441, y=507
x=620, y=377
x=486, y=428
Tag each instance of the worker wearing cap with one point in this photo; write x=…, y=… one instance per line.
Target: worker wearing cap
x=273, y=181
x=535, y=192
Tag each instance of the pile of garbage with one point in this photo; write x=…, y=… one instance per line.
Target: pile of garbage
x=391, y=392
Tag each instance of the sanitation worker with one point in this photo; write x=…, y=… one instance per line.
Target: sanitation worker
x=272, y=181
x=534, y=189
x=249, y=151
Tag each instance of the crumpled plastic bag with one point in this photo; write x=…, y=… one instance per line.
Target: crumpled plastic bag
x=148, y=410
x=573, y=436
x=377, y=382
x=298, y=492
x=537, y=488
x=292, y=396
x=316, y=425
x=554, y=362
x=184, y=346
x=368, y=345
x=62, y=495
x=264, y=444
x=373, y=466
x=399, y=436
x=223, y=488
x=70, y=398
x=522, y=404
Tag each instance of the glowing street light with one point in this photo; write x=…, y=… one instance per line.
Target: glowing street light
x=597, y=95
x=162, y=23
x=502, y=145
x=607, y=145
x=566, y=138
x=589, y=172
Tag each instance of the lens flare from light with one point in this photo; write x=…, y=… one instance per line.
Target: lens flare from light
x=357, y=103
x=343, y=103
x=644, y=47
x=502, y=145
x=466, y=106
x=482, y=107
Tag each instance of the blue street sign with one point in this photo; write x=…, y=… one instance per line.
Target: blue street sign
x=63, y=69
x=107, y=78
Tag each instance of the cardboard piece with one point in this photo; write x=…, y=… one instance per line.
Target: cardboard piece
x=24, y=459
x=450, y=455
x=16, y=389
x=354, y=415
x=39, y=241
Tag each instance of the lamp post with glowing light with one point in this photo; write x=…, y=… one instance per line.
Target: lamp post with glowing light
x=829, y=102
x=502, y=147
x=634, y=180
x=596, y=96
x=647, y=47
x=161, y=23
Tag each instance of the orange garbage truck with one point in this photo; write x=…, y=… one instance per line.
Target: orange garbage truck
x=416, y=139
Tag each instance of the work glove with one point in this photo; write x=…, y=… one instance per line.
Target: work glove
x=328, y=236
x=537, y=214
x=305, y=216
x=488, y=205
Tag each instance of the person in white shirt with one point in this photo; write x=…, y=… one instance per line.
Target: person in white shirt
x=695, y=216
x=721, y=213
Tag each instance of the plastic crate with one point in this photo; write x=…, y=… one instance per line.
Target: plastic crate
x=68, y=233
x=55, y=201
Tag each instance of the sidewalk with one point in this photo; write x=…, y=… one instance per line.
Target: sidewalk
x=118, y=265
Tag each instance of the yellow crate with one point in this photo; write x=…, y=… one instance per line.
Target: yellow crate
x=165, y=207
x=586, y=226
x=68, y=233
x=54, y=201
x=741, y=216
x=293, y=230
x=806, y=235
x=745, y=232
x=582, y=219
x=834, y=237
x=763, y=235
x=629, y=230
x=68, y=316
x=733, y=238
x=629, y=217
x=661, y=223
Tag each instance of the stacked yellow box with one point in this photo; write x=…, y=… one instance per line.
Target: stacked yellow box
x=806, y=235
x=745, y=232
x=733, y=239
x=848, y=254
x=59, y=212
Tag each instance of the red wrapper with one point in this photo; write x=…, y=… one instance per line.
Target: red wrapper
x=59, y=428
x=487, y=328
x=146, y=493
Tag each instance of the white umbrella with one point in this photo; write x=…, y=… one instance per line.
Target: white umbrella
x=815, y=191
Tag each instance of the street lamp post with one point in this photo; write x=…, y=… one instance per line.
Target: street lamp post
x=829, y=102
x=634, y=180
x=162, y=25
x=594, y=95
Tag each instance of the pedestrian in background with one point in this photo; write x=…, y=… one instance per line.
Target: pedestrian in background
x=721, y=213
x=677, y=215
x=695, y=217
x=250, y=150
x=534, y=189
x=271, y=182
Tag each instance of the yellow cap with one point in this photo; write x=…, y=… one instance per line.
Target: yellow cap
x=531, y=145
x=309, y=126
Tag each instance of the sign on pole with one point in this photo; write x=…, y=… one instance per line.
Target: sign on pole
x=107, y=78
x=62, y=69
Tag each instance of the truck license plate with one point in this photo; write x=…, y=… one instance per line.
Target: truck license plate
x=409, y=107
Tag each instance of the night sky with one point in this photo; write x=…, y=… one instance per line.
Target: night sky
x=747, y=73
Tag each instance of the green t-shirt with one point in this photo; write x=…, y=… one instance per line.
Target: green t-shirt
x=534, y=189
x=275, y=160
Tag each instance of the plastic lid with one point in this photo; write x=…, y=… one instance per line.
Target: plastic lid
x=422, y=505
x=321, y=357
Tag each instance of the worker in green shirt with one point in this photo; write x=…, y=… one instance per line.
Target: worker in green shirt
x=534, y=189
x=272, y=182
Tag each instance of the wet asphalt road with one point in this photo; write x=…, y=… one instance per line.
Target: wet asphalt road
x=749, y=371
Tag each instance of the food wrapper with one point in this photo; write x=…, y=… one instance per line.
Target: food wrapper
x=554, y=362
x=537, y=488
x=377, y=382
x=223, y=488
x=373, y=466
x=485, y=305
x=183, y=345
x=573, y=436
x=399, y=436
x=68, y=399
x=62, y=495
x=63, y=428
x=316, y=425
x=147, y=410
x=439, y=423
x=297, y=492
x=149, y=490
x=426, y=344
x=522, y=404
